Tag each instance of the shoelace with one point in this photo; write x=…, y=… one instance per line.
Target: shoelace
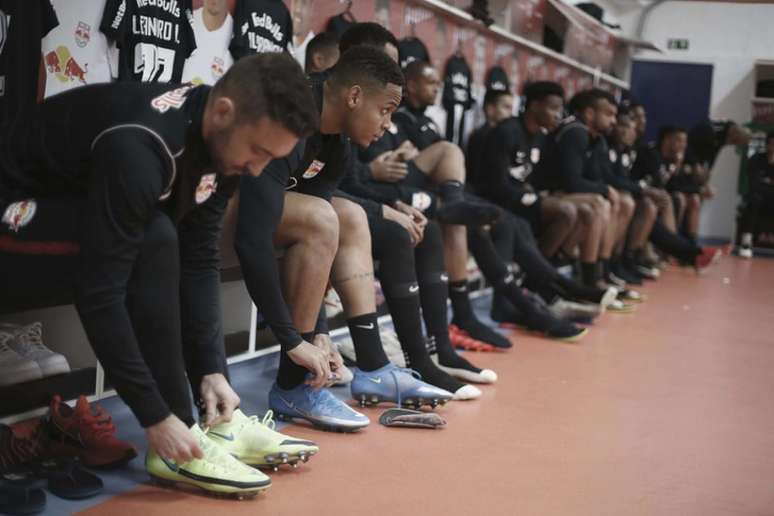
x=101, y=423
x=267, y=421
x=31, y=338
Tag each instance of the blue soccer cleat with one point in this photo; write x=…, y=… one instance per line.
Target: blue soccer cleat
x=318, y=406
x=391, y=383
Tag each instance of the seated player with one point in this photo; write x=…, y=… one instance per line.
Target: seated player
x=574, y=165
x=760, y=197
x=126, y=212
x=411, y=270
x=416, y=144
x=654, y=167
x=322, y=52
x=505, y=158
x=355, y=101
x=633, y=266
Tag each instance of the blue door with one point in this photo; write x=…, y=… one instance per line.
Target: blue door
x=672, y=93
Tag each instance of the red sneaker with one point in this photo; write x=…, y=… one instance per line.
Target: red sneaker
x=90, y=437
x=21, y=444
x=708, y=256
x=461, y=340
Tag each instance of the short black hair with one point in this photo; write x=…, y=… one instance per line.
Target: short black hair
x=365, y=64
x=668, y=130
x=273, y=85
x=366, y=33
x=589, y=98
x=415, y=69
x=540, y=90
x=323, y=42
x=493, y=96
x=634, y=105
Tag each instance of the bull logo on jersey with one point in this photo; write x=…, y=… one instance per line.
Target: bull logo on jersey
x=314, y=168
x=173, y=99
x=534, y=155
x=626, y=160
x=62, y=65
x=218, y=68
x=19, y=214
x=82, y=34
x=207, y=186
x=613, y=155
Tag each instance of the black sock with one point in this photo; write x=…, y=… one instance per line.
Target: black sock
x=290, y=374
x=364, y=330
x=403, y=302
x=589, y=273
x=604, y=263
x=571, y=289
x=460, y=301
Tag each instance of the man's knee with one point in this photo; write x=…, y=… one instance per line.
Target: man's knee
x=649, y=208
x=627, y=204
x=693, y=201
x=566, y=212
x=586, y=214
x=353, y=223
x=320, y=224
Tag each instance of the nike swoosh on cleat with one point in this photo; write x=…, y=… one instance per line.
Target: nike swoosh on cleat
x=369, y=326
x=413, y=288
x=229, y=437
x=376, y=380
x=171, y=465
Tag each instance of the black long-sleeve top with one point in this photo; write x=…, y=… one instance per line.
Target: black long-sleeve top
x=572, y=161
x=131, y=149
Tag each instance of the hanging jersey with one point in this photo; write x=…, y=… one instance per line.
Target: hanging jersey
x=22, y=26
x=339, y=24
x=457, y=97
x=211, y=58
x=76, y=52
x=261, y=26
x=412, y=49
x=154, y=37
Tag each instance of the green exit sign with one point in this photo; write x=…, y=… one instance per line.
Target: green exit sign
x=677, y=44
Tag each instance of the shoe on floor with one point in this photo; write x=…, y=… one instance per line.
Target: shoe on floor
x=391, y=383
x=254, y=441
x=217, y=472
x=68, y=479
x=77, y=432
x=317, y=406
x=21, y=494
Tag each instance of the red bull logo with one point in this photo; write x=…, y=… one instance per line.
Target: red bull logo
x=206, y=187
x=19, y=214
x=82, y=34
x=61, y=64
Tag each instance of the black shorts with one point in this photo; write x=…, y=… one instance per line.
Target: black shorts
x=415, y=177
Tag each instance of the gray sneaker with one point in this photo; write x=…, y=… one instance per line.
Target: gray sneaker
x=28, y=342
x=15, y=368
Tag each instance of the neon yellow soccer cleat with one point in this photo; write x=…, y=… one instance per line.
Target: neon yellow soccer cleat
x=255, y=442
x=217, y=473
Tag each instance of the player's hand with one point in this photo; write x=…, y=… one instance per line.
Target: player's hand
x=406, y=151
x=388, y=169
x=415, y=231
x=218, y=398
x=315, y=360
x=324, y=342
x=172, y=440
x=416, y=215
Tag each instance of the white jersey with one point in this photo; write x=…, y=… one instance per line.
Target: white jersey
x=211, y=58
x=76, y=52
